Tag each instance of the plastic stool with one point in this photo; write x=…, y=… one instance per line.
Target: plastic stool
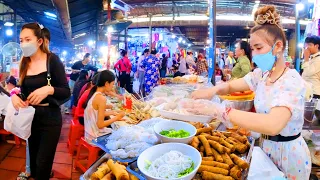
x=93, y=155
x=75, y=133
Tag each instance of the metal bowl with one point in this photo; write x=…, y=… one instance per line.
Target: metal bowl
x=244, y=105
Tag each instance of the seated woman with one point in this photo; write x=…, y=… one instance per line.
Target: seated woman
x=82, y=80
x=96, y=105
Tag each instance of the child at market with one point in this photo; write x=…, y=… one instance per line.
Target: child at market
x=176, y=71
x=96, y=105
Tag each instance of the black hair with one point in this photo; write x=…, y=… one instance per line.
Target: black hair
x=314, y=40
x=145, y=51
x=86, y=56
x=12, y=80
x=3, y=91
x=153, y=51
x=95, y=79
x=83, y=75
x=163, y=55
x=246, y=48
x=102, y=78
x=46, y=33
x=123, y=53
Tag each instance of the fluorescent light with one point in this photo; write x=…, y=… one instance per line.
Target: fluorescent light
x=9, y=32
x=183, y=41
x=50, y=14
x=79, y=35
x=189, y=45
x=208, y=41
x=300, y=6
x=9, y=24
x=64, y=53
x=173, y=36
x=257, y=2
x=219, y=17
x=90, y=43
x=311, y=1
x=110, y=29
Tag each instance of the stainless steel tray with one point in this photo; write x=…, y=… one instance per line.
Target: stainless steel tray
x=133, y=169
x=94, y=166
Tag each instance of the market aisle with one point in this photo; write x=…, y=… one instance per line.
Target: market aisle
x=12, y=160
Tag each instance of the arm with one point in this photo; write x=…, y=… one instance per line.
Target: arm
x=117, y=65
x=100, y=101
x=269, y=124
x=59, y=80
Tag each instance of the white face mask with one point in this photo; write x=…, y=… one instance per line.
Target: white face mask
x=29, y=48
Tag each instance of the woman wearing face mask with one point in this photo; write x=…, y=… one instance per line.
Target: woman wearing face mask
x=47, y=121
x=279, y=101
x=243, y=65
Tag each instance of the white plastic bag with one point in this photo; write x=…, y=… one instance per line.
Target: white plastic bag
x=19, y=122
x=136, y=85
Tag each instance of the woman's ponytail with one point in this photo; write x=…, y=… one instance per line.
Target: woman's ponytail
x=91, y=93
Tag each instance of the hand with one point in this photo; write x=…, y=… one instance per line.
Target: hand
x=222, y=115
x=109, y=106
x=120, y=97
x=40, y=94
x=306, y=55
x=18, y=103
x=203, y=94
x=120, y=115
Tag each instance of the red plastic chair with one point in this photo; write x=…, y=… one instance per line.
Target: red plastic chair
x=16, y=138
x=92, y=157
x=75, y=133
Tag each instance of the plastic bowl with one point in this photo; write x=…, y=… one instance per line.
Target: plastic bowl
x=176, y=125
x=154, y=152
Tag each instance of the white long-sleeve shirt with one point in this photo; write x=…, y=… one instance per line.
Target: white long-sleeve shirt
x=311, y=72
x=183, y=66
x=190, y=61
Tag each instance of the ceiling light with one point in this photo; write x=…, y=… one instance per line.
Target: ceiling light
x=64, y=53
x=9, y=24
x=208, y=41
x=90, y=43
x=9, y=32
x=173, y=36
x=110, y=29
x=189, y=45
x=300, y=6
x=300, y=45
x=183, y=41
x=257, y=2
x=49, y=14
x=311, y=1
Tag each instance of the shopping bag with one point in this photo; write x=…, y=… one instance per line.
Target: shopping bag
x=19, y=122
x=136, y=85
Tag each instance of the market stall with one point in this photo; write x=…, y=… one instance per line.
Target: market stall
x=203, y=149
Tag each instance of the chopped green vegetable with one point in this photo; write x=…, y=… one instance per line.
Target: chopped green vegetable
x=172, y=133
x=187, y=171
x=148, y=164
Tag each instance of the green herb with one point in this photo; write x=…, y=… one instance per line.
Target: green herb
x=187, y=171
x=172, y=133
x=148, y=164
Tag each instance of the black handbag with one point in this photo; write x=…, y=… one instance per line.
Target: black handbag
x=53, y=101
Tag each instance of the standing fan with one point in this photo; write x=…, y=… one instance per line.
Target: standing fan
x=11, y=53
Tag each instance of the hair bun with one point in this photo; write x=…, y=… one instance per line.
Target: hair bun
x=267, y=15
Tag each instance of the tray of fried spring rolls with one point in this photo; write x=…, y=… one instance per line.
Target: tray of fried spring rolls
x=226, y=155
x=105, y=168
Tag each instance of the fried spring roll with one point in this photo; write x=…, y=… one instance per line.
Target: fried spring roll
x=214, y=138
x=206, y=134
x=206, y=145
x=213, y=169
x=228, y=145
x=108, y=176
x=221, y=149
x=118, y=171
x=204, y=130
x=195, y=142
x=201, y=154
x=241, y=148
x=235, y=172
x=213, y=176
x=208, y=158
x=221, y=135
x=238, y=161
x=215, y=164
x=216, y=155
x=226, y=159
x=239, y=138
x=201, y=149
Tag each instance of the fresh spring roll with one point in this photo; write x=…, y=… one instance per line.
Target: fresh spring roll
x=206, y=145
x=226, y=159
x=235, y=172
x=118, y=170
x=213, y=170
x=213, y=176
x=208, y=158
x=215, y=164
x=216, y=155
x=204, y=130
x=238, y=161
x=217, y=146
